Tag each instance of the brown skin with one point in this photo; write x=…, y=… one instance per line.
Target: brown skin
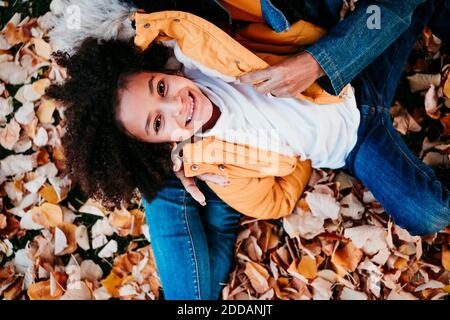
x=288, y=78
x=160, y=102
x=155, y=108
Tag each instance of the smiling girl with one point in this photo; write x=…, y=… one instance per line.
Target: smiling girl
x=125, y=113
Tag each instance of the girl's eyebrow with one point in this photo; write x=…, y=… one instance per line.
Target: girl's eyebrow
x=147, y=124
x=150, y=84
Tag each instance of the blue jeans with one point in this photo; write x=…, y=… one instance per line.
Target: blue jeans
x=407, y=188
x=193, y=245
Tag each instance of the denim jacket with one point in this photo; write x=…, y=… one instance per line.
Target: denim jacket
x=351, y=44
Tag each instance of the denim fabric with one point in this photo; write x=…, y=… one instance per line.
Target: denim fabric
x=193, y=245
x=351, y=45
x=323, y=13
x=273, y=16
x=407, y=188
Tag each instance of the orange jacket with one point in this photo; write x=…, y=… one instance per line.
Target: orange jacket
x=263, y=185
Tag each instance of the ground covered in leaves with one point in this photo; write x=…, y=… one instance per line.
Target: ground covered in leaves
x=338, y=244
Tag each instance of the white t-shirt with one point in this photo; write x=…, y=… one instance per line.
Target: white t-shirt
x=325, y=134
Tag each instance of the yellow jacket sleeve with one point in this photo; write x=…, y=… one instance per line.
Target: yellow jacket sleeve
x=269, y=197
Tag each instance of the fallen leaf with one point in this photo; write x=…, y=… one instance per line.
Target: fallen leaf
x=351, y=207
x=48, y=215
x=108, y=250
x=258, y=276
x=323, y=205
x=349, y=294
x=370, y=239
x=346, y=258
x=420, y=81
x=10, y=134
x=82, y=237
x=446, y=257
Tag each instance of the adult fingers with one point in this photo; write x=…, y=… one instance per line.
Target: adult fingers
x=256, y=76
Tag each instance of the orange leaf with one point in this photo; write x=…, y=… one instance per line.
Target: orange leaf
x=347, y=257
x=48, y=193
x=446, y=257
x=307, y=267
x=112, y=283
x=42, y=290
x=446, y=123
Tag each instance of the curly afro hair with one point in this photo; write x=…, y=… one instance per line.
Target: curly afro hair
x=106, y=162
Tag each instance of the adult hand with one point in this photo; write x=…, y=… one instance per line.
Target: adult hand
x=189, y=183
x=288, y=78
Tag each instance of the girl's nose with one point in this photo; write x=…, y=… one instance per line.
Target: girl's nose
x=175, y=109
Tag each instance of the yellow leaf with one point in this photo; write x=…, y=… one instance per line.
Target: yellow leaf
x=307, y=267
x=49, y=194
x=112, y=283
x=47, y=215
x=40, y=86
x=446, y=257
x=400, y=263
x=447, y=87
x=45, y=111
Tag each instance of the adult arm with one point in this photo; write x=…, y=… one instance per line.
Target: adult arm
x=342, y=53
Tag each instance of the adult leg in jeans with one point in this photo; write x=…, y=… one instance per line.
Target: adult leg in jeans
x=406, y=187
x=179, y=237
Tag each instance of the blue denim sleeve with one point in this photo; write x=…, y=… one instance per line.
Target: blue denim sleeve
x=357, y=40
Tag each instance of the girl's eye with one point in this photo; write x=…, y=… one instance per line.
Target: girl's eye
x=157, y=123
x=161, y=88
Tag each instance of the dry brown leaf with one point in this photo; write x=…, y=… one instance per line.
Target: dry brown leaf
x=431, y=100
x=258, y=276
x=10, y=134
x=346, y=258
x=14, y=290
x=68, y=231
x=48, y=290
x=420, y=81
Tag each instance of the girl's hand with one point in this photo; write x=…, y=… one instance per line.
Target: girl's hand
x=189, y=183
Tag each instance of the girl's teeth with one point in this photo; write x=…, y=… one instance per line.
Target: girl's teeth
x=192, y=109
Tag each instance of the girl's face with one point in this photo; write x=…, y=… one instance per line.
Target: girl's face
x=157, y=107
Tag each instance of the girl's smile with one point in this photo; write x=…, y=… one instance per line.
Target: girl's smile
x=157, y=107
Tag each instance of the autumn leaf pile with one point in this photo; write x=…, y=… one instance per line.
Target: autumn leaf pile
x=338, y=244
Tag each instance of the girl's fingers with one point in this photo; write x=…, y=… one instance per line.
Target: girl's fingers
x=176, y=160
x=190, y=186
x=215, y=178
